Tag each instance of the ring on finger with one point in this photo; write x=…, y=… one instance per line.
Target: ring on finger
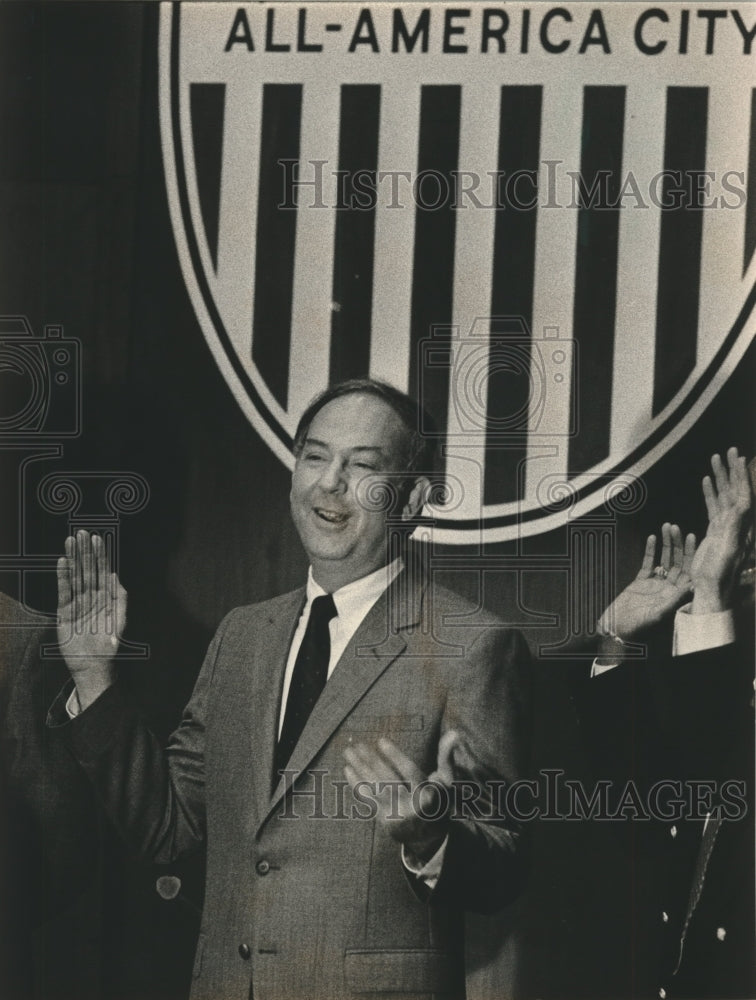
x=661, y=572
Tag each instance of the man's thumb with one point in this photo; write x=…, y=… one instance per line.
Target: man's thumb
x=446, y=747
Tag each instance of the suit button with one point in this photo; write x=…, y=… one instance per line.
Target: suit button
x=245, y=951
x=262, y=867
x=721, y=933
x=665, y=917
x=673, y=832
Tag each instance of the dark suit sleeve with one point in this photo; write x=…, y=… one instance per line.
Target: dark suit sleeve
x=619, y=724
x=486, y=859
x=154, y=797
x=670, y=719
x=704, y=703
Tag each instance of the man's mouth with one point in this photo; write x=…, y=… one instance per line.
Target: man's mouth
x=335, y=517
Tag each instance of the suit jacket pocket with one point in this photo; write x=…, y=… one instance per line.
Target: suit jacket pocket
x=396, y=722
x=406, y=970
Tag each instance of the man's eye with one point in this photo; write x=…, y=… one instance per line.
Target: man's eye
x=312, y=456
x=365, y=465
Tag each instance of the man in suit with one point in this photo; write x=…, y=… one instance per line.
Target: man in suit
x=686, y=715
x=333, y=868
x=50, y=844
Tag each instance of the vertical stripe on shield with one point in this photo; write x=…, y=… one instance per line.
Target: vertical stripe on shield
x=512, y=291
x=433, y=264
x=595, y=303
x=750, y=223
x=276, y=234
x=354, y=245
x=679, y=274
x=207, y=102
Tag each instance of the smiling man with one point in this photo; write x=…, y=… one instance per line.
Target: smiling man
x=348, y=441
x=319, y=887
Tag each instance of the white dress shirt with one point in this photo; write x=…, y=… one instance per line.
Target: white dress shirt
x=352, y=605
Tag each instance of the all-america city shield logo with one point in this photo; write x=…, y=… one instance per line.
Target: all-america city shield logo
x=539, y=220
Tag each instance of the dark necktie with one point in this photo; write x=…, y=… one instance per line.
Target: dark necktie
x=307, y=680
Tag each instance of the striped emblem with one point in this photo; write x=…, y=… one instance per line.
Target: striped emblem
x=507, y=234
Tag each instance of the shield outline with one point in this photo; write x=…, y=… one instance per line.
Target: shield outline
x=587, y=490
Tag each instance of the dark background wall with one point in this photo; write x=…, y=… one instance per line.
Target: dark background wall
x=85, y=242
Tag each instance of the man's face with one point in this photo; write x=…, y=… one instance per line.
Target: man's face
x=351, y=438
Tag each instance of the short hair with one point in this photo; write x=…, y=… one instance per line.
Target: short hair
x=417, y=422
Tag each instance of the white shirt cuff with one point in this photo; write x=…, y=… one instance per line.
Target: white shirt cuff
x=73, y=705
x=431, y=870
x=695, y=633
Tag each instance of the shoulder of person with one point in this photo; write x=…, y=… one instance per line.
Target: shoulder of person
x=19, y=629
x=456, y=609
x=281, y=608
x=461, y=621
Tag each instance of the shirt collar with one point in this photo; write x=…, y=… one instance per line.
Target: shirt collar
x=360, y=593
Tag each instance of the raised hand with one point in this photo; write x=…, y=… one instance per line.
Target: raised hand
x=728, y=504
x=657, y=590
x=91, y=614
x=411, y=806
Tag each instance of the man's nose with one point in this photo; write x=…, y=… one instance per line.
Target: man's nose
x=333, y=477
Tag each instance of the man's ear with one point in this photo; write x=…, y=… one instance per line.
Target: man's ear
x=417, y=498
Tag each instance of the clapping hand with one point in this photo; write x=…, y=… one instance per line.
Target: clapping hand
x=657, y=590
x=410, y=805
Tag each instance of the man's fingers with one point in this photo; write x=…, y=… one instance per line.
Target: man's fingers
x=447, y=747
x=369, y=764
x=647, y=566
x=721, y=477
x=351, y=776
x=84, y=550
x=689, y=552
x=358, y=767
x=74, y=570
x=75, y=580
x=676, y=540
x=710, y=497
x=740, y=481
x=732, y=457
x=731, y=486
x=666, y=550
x=403, y=765
x=65, y=593
x=101, y=562
x=84, y=547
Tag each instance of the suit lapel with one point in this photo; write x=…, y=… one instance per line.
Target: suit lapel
x=274, y=642
x=375, y=645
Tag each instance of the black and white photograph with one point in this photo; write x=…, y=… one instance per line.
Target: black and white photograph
x=377, y=500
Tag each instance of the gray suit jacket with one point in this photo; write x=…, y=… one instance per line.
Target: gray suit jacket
x=306, y=895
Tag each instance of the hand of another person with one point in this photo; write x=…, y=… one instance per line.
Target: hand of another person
x=657, y=590
x=412, y=807
x=91, y=614
x=728, y=503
